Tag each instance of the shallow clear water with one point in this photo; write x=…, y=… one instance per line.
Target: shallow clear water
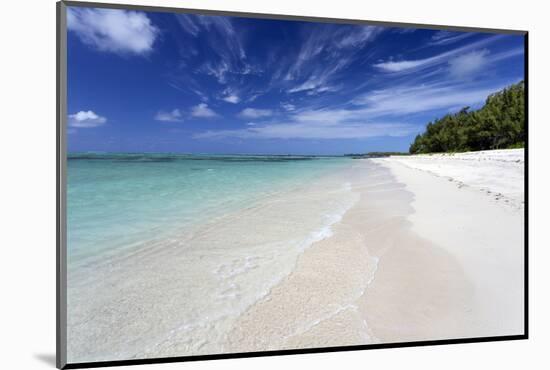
x=166, y=252
x=117, y=201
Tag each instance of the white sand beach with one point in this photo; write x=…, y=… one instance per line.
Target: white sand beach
x=498, y=172
x=419, y=257
x=471, y=206
x=410, y=248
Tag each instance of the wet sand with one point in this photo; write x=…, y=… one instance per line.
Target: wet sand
x=375, y=280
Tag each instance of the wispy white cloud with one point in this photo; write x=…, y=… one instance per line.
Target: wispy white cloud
x=218, y=52
x=448, y=37
x=371, y=119
x=219, y=70
x=507, y=54
x=188, y=88
x=357, y=37
x=325, y=52
x=321, y=78
x=469, y=64
x=113, y=30
x=403, y=100
x=195, y=24
x=173, y=116
x=325, y=88
x=226, y=53
x=329, y=41
x=312, y=66
x=188, y=85
x=403, y=65
x=314, y=85
x=314, y=131
x=475, y=63
x=374, y=115
x=383, y=112
x=200, y=94
x=189, y=24
x=418, y=64
x=86, y=119
x=288, y=107
x=202, y=111
x=231, y=99
x=225, y=68
x=254, y=95
x=230, y=95
x=255, y=113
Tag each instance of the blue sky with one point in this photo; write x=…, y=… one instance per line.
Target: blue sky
x=163, y=82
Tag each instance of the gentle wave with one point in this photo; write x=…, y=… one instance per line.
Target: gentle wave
x=233, y=279
x=211, y=237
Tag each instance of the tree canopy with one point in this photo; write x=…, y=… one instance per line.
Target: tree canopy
x=499, y=124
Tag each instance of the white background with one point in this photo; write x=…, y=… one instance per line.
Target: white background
x=27, y=181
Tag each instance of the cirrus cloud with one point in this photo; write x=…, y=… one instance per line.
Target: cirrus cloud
x=449, y=37
x=315, y=130
x=414, y=65
x=255, y=113
x=288, y=107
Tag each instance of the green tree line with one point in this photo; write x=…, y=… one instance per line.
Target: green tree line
x=499, y=124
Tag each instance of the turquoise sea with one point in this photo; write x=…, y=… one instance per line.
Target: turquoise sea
x=118, y=201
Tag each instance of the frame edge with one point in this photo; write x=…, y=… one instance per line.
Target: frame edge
x=61, y=242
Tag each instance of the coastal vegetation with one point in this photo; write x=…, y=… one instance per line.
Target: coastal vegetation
x=499, y=124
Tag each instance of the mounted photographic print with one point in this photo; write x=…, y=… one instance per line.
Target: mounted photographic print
x=234, y=184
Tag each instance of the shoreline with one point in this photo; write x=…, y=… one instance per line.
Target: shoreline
x=360, y=277
x=409, y=256
x=201, y=279
x=460, y=281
